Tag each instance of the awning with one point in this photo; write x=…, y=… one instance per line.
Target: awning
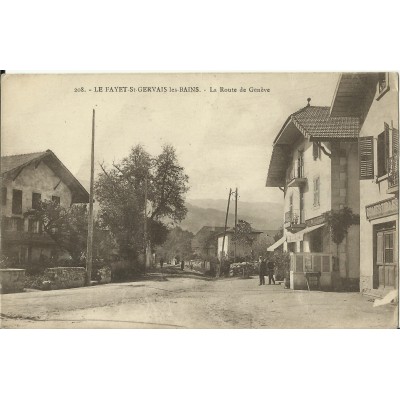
x=296, y=237
x=277, y=244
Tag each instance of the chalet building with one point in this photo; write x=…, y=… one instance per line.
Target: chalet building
x=315, y=163
x=26, y=180
x=204, y=243
x=373, y=99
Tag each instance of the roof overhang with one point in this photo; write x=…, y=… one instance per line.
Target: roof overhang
x=79, y=193
x=277, y=244
x=277, y=166
x=295, y=237
x=354, y=94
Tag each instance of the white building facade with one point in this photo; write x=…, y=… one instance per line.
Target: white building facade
x=373, y=98
x=313, y=161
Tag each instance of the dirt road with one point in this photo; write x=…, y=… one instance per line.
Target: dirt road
x=190, y=300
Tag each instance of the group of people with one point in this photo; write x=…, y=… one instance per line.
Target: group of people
x=266, y=269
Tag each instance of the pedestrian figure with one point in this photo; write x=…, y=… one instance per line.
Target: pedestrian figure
x=271, y=270
x=263, y=271
x=161, y=262
x=182, y=264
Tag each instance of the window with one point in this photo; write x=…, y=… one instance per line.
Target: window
x=3, y=196
x=34, y=226
x=17, y=202
x=316, y=191
x=383, y=84
x=388, y=241
x=366, y=152
x=384, y=247
x=383, y=151
x=316, y=151
x=16, y=224
x=36, y=198
x=56, y=199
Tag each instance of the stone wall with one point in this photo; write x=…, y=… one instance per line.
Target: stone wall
x=65, y=277
x=12, y=280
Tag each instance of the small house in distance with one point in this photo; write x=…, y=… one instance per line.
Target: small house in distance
x=243, y=250
x=28, y=179
x=204, y=243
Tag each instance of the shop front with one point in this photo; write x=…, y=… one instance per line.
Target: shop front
x=384, y=220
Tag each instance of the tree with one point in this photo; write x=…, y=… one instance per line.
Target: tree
x=178, y=244
x=279, y=234
x=243, y=234
x=122, y=189
x=66, y=226
x=338, y=222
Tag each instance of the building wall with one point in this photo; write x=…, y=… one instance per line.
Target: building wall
x=371, y=191
x=38, y=180
x=339, y=187
x=312, y=168
x=346, y=193
x=321, y=167
x=226, y=245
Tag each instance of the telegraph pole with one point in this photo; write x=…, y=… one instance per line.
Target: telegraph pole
x=223, y=239
x=145, y=223
x=236, y=204
x=89, y=253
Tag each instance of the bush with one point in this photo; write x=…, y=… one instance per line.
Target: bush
x=282, y=264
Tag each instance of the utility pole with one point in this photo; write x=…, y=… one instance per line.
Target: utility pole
x=223, y=239
x=236, y=204
x=89, y=253
x=145, y=223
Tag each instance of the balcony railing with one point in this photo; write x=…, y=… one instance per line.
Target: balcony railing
x=393, y=173
x=296, y=175
x=295, y=220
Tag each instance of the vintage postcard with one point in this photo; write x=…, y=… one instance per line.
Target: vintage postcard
x=199, y=200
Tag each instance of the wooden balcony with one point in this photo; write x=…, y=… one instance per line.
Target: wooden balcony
x=296, y=176
x=295, y=220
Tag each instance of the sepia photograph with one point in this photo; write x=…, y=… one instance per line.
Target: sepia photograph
x=199, y=200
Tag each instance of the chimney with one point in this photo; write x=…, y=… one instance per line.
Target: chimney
x=308, y=102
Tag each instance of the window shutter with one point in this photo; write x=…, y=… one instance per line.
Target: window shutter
x=366, y=152
x=387, y=149
x=379, y=248
x=395, y=142
x=315, y=151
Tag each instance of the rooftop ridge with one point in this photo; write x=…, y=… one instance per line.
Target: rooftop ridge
x=24, y=154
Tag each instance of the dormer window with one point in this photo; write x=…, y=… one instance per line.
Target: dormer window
x=383, y=84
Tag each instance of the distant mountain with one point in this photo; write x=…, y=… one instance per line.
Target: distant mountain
x=263, y=216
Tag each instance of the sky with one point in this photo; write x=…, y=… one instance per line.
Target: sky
x=223, y=138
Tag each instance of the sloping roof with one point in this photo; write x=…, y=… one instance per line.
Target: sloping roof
x=313, y=123
x=11, y=166
x=8, y=163
x=317, y=123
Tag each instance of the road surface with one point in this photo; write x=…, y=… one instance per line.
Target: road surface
x=189, y=300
